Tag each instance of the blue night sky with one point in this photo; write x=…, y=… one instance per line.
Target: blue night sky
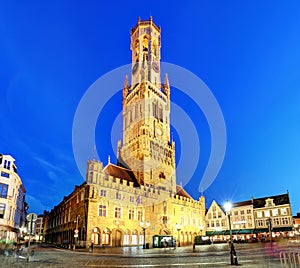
x=246, y=52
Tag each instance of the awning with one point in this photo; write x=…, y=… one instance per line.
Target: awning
x=227, y=232
x=275, y=229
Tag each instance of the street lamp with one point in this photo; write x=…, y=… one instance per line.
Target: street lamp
x=76, y=232
x=233, y=257
x=201, y=227
x=269, y=223
x=178, y=228
x=144, y=227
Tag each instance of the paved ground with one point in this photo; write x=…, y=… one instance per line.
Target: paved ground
x=249, y=255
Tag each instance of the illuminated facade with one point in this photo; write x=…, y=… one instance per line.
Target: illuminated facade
x=12, y=200
x=251, y=218
x=119, y=201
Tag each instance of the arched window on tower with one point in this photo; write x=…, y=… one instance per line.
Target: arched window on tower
x=154, y=49
x=145, y=44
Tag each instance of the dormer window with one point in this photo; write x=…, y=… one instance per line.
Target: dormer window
x=7, y=164
x=269, y=202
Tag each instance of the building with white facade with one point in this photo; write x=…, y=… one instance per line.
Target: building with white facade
x=12, y=200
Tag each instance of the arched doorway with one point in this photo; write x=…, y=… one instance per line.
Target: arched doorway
x=96, y=236
x=106, y=236
x=117, y=238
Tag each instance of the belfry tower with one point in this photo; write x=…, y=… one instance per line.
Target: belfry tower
x=147, y=148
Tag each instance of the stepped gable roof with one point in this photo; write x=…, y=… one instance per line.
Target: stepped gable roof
x=120, y=172
x=181, y=192
x=277, y=199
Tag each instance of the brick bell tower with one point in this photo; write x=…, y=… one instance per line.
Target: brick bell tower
x=147, y=148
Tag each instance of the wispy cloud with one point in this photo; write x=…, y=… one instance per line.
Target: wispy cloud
x=50, y=165
x=35, y=205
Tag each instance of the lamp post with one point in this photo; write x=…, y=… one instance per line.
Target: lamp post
x=76, y=232
x=178, y=228
x=269, y=223
x=233, y=257
x=201, y=227
x=144, y=227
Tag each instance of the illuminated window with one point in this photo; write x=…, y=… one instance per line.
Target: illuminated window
x=2, y=211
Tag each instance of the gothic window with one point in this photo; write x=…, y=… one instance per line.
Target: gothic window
x=145, y=44
x=160, y=114
x=154, y=48
x=136, y=46
x=136, y=111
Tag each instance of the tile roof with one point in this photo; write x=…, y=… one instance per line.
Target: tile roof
x=277, y=199
x=180, y=191
x=120, y=172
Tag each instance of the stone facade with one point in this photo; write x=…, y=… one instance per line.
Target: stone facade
x=127, y=204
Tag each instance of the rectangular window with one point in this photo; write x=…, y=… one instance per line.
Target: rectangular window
x=276, y=221
x=242, y=212
x=131, y=214
x=3, y=190
x=117, y=212
x=118, y=196
x=274, y=212
x=140, y=215
x=102, y=210
x=4, y=174
x=260, y=223
x=285, y=220
x=2, y=211
x=6, y=164
x=139, y=200
x=248, y=211
x=102, y=193
x=267, y=213
x=283, y=211
x=259, y=214
x=131, y=199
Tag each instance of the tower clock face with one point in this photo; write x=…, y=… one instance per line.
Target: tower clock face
x=155, y=67
x=135, y=67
